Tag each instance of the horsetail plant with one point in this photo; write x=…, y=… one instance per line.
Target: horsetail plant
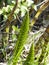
x=21, y=40
x=30, y=58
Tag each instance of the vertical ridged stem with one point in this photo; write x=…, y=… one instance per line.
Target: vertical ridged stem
x=21, y=40
x=30, y=58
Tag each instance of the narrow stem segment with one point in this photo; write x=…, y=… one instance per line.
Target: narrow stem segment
x=40, y=10
x=30, y=57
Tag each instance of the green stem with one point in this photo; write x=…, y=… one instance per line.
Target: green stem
x=21, y=40
x=30, y=57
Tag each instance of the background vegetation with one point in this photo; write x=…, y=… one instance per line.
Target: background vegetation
x=24, y=32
